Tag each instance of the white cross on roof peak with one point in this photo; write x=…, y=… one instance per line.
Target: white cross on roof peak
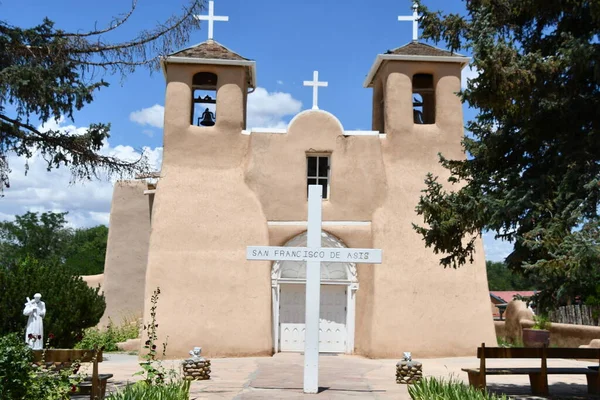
x=211, y=18
x=415, y=20
x=315, y=85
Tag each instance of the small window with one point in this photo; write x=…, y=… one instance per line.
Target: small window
x=204, y=99
x=423, y=99
x=318, y=172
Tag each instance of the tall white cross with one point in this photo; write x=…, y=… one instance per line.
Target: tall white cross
x=315, y=85
x=211, y=18
x=313, y=254
x=415, y=20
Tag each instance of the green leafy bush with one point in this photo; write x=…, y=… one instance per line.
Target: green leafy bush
x=71, y=305
x=541, y=322
x=21, y=380
x=438, y=389
x=15, y=367
x=109, y=337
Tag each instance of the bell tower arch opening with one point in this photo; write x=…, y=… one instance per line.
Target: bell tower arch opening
x=204, y=99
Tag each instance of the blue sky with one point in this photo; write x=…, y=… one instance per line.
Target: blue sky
x=288, y=39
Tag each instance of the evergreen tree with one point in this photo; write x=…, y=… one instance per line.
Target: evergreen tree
x=533, y=169
x=47, y=73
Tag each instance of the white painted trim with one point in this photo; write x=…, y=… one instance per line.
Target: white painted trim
x=246, y=132
x=275, y=293
x=325, y=223
x=361, y=133
x=464, y=61
x=383, y=136
x=291, y=281
x=268, y=130
x=212, y=61
x=151, y=191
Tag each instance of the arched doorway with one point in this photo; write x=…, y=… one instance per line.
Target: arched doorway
x=337, y=316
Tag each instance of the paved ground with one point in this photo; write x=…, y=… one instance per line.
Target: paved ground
x=342, y=377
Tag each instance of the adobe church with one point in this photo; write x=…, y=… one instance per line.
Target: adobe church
x=223, y=187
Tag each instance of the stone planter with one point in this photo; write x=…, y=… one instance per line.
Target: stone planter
x=196, y=370
x=536, y=337
x=408, y=372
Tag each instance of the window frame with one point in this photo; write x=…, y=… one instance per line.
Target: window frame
x=317, y=177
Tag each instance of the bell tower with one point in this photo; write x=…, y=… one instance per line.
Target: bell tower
x=416, y=104
x=204, y=214
x=415, y=88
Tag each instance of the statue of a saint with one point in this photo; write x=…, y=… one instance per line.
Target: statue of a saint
x=36, y=310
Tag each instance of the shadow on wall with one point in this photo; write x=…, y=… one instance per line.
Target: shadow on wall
x=518, y=316
x=94, y=281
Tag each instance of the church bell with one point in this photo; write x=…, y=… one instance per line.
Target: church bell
x=207, y=118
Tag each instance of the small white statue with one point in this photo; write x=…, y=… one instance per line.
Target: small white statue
x=196, y=354
x=36, y=310
x=407, y=356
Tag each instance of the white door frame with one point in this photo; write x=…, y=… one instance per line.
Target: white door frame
x=351, y=282
x=351, y=289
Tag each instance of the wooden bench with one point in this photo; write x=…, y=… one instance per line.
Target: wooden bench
x=538, y=377
x=95, y=384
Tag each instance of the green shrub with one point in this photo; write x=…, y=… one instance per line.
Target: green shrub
x=177, y=390
x=21, y=380
x=438, y=389
x=109, y=337
x=15, y=367
x=71, y=305
x=541, y=322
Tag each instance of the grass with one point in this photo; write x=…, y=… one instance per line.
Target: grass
x=438, y=389
x=177, y=390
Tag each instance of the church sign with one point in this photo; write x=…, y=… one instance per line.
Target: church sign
x=268, y=253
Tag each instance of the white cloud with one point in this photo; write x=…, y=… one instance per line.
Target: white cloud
x=152, y=116
x=88, y=203
x=468, y=73
x=495, y=250
x=265, y=110
x=280, y=82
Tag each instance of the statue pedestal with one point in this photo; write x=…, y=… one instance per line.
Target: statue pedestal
x=196, y=370
x=408, y=372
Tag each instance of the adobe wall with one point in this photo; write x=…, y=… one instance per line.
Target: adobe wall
x=94, y=281
x=357, y=180
x=418, y=305
x=215, y=197
x=126, y=252
x=204, y=216
x=561, y=335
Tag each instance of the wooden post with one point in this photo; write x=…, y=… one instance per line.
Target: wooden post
x=95, y=392
x=482, y=381
x=539, y=380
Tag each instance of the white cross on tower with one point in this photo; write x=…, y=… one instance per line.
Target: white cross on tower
x=313, y=255
x=415, y=20
x=315, y=85
x=211, y=18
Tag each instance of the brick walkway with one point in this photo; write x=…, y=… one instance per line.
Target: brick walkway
x=342, y=377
